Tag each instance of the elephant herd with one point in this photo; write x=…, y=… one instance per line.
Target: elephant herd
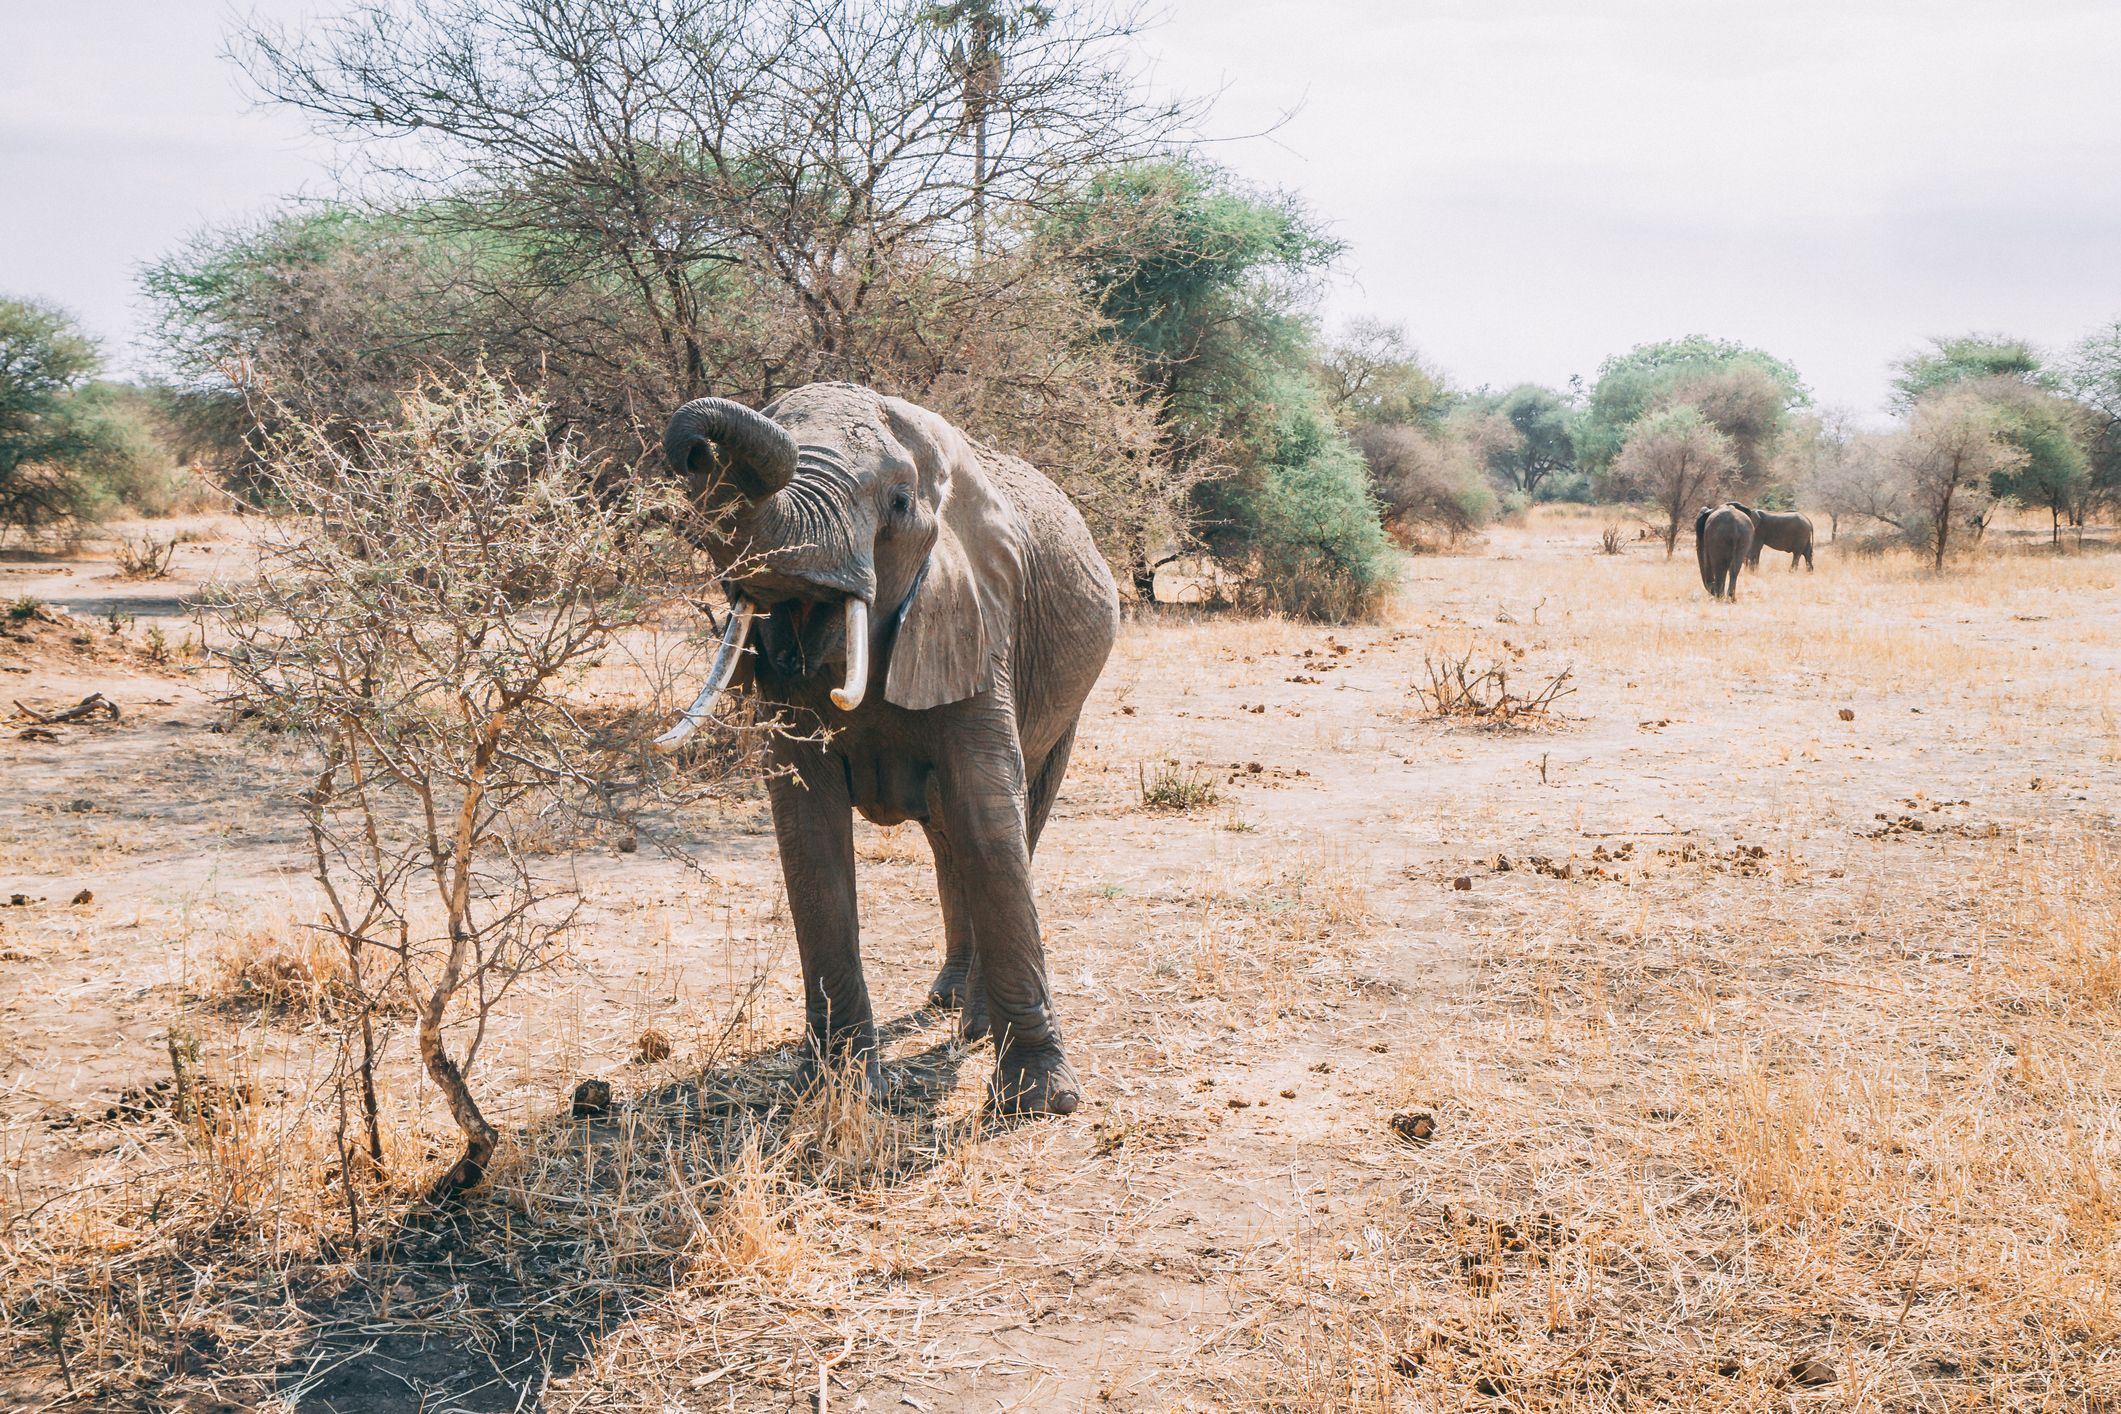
x=1733, y=534
x=927, y=615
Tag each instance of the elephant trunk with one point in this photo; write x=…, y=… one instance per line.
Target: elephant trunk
x=848, y=695
x=761, y=453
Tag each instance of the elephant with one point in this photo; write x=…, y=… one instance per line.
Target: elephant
x=1780, y=530
x=1723, y=537
x=969, y=612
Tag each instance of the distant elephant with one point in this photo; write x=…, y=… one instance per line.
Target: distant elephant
x=971, y=613
x=1780, y=530
x=1723, y=537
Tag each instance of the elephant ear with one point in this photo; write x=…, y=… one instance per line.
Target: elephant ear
x=940, y=653
x=943, y=651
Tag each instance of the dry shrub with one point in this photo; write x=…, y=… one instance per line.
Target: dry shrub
x=1458, y=690
x=421, y=612
x=1173, y=789
x=146, y=557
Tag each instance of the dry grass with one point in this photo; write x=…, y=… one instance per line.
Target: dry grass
x=1705, y=1166
x=1787, y=1105
x=290, y=970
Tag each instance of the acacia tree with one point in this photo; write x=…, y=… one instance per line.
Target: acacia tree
x=2049, y=433
x=681, y=154
x=1840, y=470
x=1745, y=393
x=1953, y=445
x=2094, y=378
x=63, y=448
x=1968, y=358
x=1372, y=377
x=1675, y=458
x=423, y=608
x=1545, y=443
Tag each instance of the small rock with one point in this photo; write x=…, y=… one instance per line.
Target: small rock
x=652, y=1047
x=1463, y=883
x=18, y=900
x=1414, y=1128
x=85, y=896
x=1812, y=1371
x=591, y=1098
x=1288, y=1094
x=1847, y=714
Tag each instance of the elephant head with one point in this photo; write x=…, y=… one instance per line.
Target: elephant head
x=839, y=543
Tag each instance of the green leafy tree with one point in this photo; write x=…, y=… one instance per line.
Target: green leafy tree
x=1544, y=447
x=1745, y=393
x=2094, y=378
x=1969, y=358
x=2049, y=433
x=1318, y=548
x=1206, y=283
x=68, y=446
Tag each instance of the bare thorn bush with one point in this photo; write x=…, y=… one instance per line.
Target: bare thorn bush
x=1458, y=689
x=146, y=557
x=420, y=613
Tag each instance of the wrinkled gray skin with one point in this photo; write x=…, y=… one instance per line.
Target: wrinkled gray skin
x=1723, y=537
x=1780, y=530
x=992, y=613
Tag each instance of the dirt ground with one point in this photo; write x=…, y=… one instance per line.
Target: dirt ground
x=1734, y=1036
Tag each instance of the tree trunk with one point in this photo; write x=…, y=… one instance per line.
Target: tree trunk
x=979, y=187
x=479, y=1136
x=1943, y=530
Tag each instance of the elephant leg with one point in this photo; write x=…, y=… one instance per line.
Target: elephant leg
x=813, y=819
x=986, y=817
x=958, y=984
x=1046, y=785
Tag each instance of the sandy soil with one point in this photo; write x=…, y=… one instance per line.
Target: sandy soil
x=1556, y=943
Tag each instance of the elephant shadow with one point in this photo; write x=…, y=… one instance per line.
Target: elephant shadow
x=481, y=1306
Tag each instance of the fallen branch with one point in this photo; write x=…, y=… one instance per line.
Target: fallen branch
x=87, y=706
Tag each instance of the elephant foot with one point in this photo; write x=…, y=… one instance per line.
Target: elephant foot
x=842, y=1059
x=1034, y=1080
x=951, y=987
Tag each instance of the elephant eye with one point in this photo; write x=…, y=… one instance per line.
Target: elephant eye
x=902, y=501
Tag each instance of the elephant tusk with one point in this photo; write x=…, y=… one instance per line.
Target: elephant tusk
x=733, y=635
x=849, y=696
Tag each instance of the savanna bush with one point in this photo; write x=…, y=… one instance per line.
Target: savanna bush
x=1319, y=548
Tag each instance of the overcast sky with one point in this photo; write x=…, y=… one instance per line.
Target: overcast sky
x=1526, y=185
